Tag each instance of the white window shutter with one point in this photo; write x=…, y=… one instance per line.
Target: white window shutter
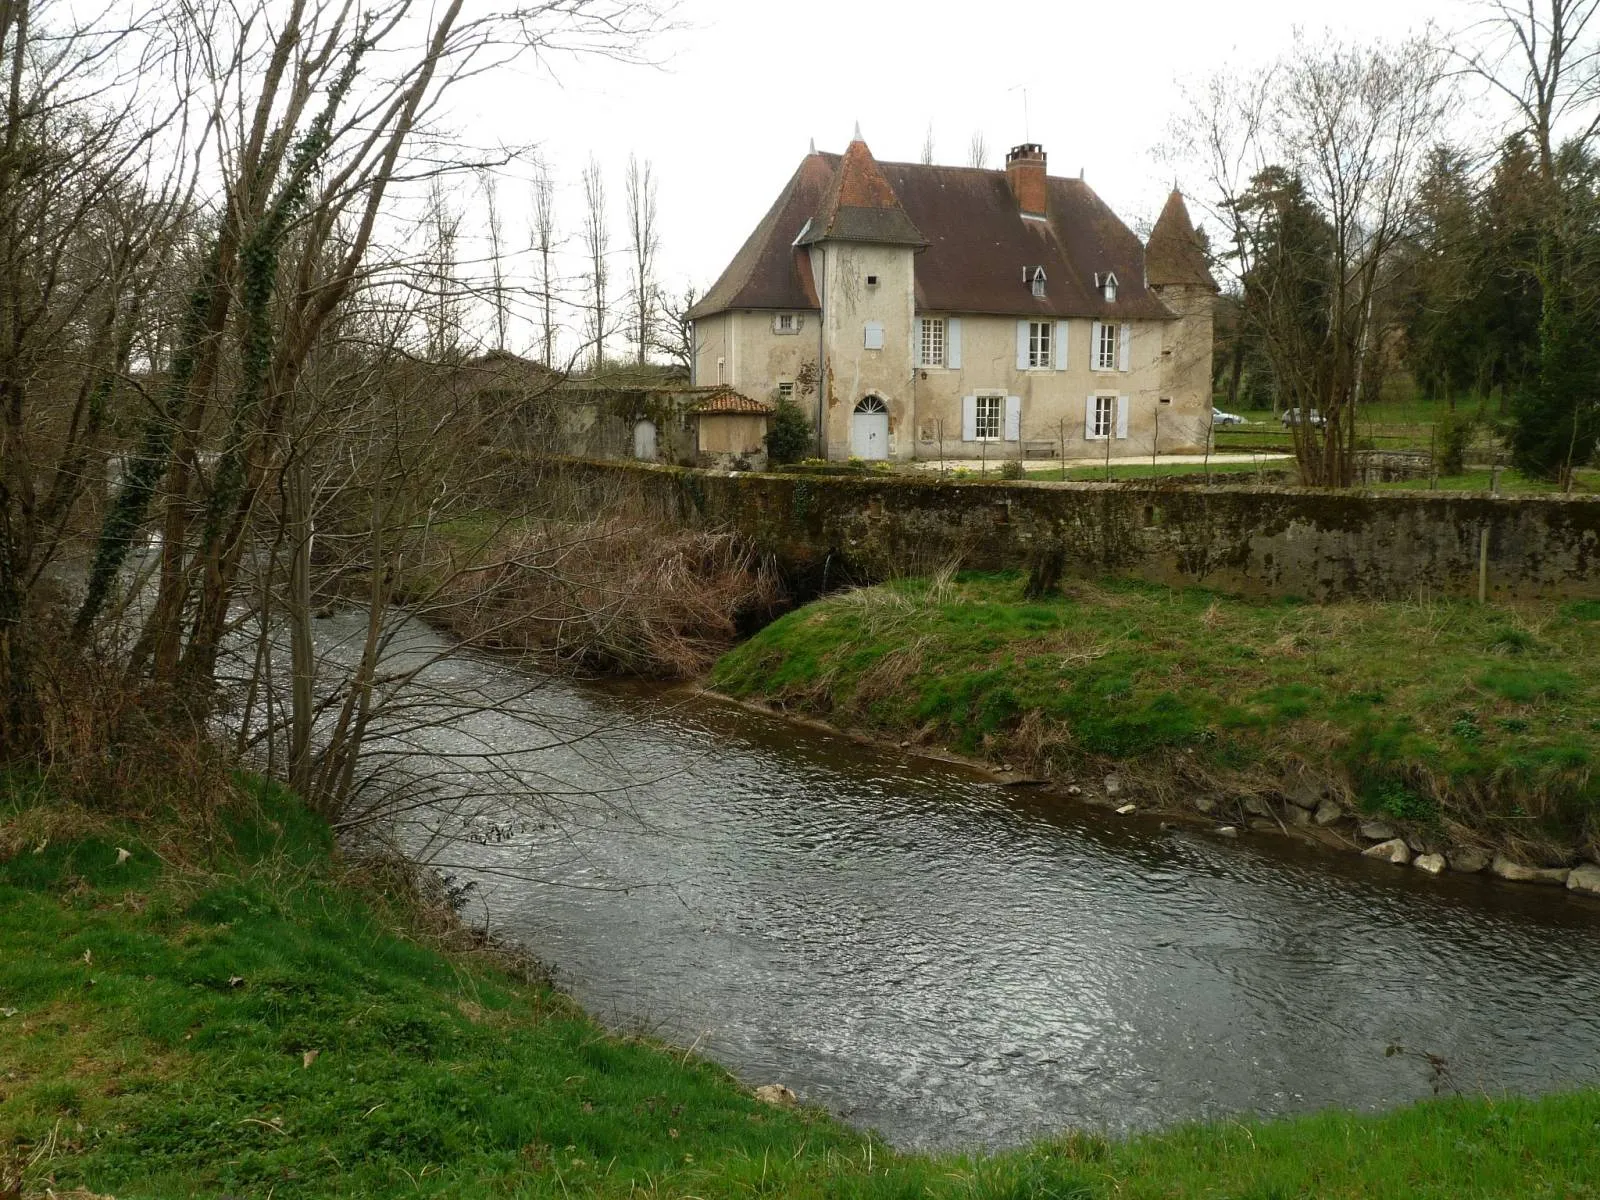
x=969, y=418
x=1094, y=345
x=916, y=342
x=1022, y=345
x=1061, y=345
x=1122, y=416
x=1013, y=418
x=1088, y=420
x=1125, y=346
x=952, y=342
x=874, y=335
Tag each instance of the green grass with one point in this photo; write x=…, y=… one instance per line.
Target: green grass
x=1389, y=424
x=1123, y=471
x=232, y=1011
x=1484, y=715
x=1510, y=483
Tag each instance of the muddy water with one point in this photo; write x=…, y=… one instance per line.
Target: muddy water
x=953, y=964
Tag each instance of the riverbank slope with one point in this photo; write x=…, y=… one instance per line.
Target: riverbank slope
x=224, y=1006
x=1468, y=731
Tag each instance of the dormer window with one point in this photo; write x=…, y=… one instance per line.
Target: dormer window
x=1035, y=279
x=786, y=323
x=1107, y=284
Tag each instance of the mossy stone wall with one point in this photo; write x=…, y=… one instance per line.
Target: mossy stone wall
x=1268, y=541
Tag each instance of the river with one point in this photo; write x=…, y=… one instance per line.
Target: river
x=955, y=964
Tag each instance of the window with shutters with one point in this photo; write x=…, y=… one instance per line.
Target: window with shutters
x=1041, y=347
x=785, y=322
x=785, y=389
x=987, y=423
x=1105, y=351
x=933, y=341
x=1105, y=417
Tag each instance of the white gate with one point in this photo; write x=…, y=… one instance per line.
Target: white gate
x=644, y=440
x=869, y=429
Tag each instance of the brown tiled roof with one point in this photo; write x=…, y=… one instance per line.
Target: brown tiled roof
x=861, y=206
x=1174, y=254
x=726, y=400
x=768, y=272
x=977, y=244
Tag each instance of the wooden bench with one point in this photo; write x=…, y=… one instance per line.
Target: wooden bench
x=1041, y=450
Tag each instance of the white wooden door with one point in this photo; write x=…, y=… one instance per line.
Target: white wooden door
x=869, y=430
x=644, y=440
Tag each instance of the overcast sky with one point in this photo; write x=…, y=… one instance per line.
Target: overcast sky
x=744, y=87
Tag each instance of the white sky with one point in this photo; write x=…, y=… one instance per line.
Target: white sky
x=745, y=86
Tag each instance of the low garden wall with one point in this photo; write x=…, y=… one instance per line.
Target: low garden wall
x=1272, y=541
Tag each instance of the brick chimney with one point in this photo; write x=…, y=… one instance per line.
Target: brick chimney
x=1025, y=170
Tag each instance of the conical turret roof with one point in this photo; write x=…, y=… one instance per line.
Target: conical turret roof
x=1174, y=254
x=860, y=206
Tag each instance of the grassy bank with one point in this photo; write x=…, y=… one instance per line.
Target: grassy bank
x=1471, y=725
x=232, y=1010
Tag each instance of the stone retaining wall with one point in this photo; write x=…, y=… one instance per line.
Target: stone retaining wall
x=1269, y=541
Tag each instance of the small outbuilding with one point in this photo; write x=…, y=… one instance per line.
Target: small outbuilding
x=731, y=430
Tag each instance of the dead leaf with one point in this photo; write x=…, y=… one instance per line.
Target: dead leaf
x=39, y=849
x=235, y=980
x=123, y=855
x=88, y=957
x=309, y=1057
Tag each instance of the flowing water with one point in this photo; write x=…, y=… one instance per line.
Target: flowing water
x=954, y=964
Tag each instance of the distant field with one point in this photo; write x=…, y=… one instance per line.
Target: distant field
x=1242, y=471
x=1406, y=425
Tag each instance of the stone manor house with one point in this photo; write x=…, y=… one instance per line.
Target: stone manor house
x=923, y=311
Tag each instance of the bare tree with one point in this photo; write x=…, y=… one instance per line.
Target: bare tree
x=675, y=332
x=927, y=146
x=977, y=150
x=443, y=315
x=497, y=273
x=1543, y=57
x=544, y=245
x=325, y=136
x=644, y=242
x=89, y=235
x=596, y=248
x=1315, y=163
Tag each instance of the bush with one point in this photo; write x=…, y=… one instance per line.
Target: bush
x=1452, y=439
x=1012, y=469
x=789, y=435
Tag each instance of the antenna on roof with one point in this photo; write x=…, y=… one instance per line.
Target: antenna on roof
x=857, y=138
x=813, y=145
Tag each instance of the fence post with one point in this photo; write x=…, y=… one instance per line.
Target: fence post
x=1483, y=565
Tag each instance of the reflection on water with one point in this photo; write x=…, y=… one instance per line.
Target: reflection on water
x=952, y=964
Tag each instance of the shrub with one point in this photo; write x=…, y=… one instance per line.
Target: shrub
x=1012, y=469
x=789, y=435
x=1453, y=437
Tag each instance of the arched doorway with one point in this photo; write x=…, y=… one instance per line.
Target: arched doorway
x=869, y=429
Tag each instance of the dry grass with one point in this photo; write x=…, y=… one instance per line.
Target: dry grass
x=611, y=594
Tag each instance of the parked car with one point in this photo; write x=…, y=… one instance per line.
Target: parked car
x=1292, y=416
x=1218, y=417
